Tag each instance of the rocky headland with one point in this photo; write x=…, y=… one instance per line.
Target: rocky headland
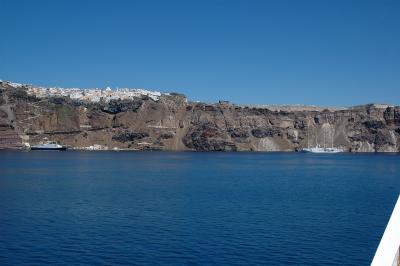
x=143, y=120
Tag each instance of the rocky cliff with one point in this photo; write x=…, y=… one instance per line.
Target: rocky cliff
x=170, y=122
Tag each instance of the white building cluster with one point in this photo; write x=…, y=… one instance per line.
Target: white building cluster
x=91, y=95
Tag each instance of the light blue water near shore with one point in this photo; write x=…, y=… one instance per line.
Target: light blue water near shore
x=160, y=208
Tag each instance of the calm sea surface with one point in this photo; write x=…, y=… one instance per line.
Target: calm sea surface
x=160, y=208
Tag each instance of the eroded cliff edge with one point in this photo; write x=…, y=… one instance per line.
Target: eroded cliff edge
x=173, y=123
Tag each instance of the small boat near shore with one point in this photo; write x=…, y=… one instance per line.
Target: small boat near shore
x=318, y=148
x=323, y=150
x=49, y=146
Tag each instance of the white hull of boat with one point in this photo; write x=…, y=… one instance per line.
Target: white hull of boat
x=323, y=150
x=49, y=146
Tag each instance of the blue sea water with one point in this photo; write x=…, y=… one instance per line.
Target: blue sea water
x=161, y=208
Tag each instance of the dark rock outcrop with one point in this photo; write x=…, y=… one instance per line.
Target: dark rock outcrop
x=208, y=138
x=167, y=135
x=374, y=124
x=118, y=106
x=265, y=132
x=129, y=136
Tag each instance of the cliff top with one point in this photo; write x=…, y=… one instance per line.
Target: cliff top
x=91, y=94
x=107, y=94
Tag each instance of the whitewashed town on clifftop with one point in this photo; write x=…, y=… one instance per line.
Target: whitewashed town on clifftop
x=91, y=95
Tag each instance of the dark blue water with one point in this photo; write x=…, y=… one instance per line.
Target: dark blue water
x=159, y=208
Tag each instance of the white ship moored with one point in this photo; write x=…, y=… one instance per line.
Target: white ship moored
x=49, y=145
x=318, y=148
x=323, y=150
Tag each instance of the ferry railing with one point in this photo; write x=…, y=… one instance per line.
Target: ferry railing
x=387, y=253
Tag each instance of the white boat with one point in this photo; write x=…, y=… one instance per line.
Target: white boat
x=318, y=149
x=323, y=150
x=49, y=145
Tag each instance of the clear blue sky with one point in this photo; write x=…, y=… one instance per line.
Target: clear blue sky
x=278, y=52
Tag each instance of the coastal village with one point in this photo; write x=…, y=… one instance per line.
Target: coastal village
x=95, y=95
x=90, y=95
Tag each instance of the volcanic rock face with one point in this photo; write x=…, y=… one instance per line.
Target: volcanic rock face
x=170, y=122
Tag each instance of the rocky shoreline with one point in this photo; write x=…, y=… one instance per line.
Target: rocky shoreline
x=171, y=122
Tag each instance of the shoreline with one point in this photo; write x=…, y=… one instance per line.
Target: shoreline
x=194, y=151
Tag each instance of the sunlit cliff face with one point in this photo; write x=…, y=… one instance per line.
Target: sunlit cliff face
x=140, y=119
